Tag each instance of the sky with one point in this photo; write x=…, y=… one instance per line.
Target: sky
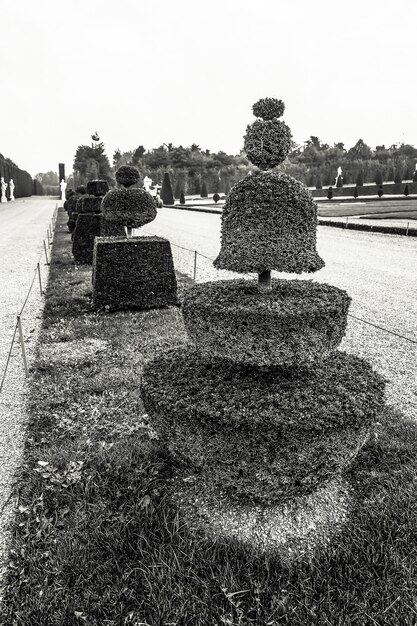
x=187, y=71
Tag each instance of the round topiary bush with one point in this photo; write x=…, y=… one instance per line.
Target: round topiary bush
x=81, y=189
x=127, y=175
x=268, y=108
x=216, y=197
x=268, y=143
x=296, y=321
x=262, y=436
x=130, y=207
x=269, y=222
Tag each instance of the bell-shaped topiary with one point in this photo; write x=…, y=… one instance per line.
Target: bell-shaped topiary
x=130, y=207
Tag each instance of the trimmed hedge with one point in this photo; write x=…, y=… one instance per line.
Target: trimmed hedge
x=389, y=230
x=295, y=322
x=127, y=175
x=89, y=204
x=269, y=222
x=81, y=190
x=88, y=227
x=97, y=187
x=267, y=143
x=262, y=436
x=130, y=207
x=133, y=273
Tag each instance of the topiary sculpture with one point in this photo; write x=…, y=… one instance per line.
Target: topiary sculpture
x=262, y=411
x=89, y=221
x=131, y=272
x=216, y=197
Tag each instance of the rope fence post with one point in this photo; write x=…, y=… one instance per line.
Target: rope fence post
x=195, y=265
x=46, y=254
x=40, y=278
x=347, y=222
x=406, y=232
x=22, y=344
x=47, y=236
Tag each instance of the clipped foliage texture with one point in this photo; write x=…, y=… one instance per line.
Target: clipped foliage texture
x=295, y=322
x=260, y=435
x=268, y=108
x=130, y=207
x=268, y=142
x=88, y=227
x=269, y=222
x=127, y=175
x=88, y=204
x=97, y=187
x=134, y=273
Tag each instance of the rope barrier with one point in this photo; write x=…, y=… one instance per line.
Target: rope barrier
x=18, y=325
x=386, y=330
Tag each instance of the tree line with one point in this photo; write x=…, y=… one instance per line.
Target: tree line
x=315, y=163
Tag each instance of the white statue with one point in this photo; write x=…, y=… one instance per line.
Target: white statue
x=147, y=182
x=63, y=186
x=11, y=189
x=3, y=190
x=339, y=173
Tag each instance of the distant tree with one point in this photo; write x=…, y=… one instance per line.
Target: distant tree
x=48, y=178
x=138, y=154
x=319, y=183
x=177, y=192
x=166, y=191
x=91, y=162
x=197, y=187
x=378, y=178
x=330, y=193
x=117, y=155
x=398, y=177
x=216, y=197
x=345, y=178
x=339, y=182
x=407, y=174
x=406, y=192
x=359, y=178
x=360, y=151
x=390, y=174
x=204, y=193
x=182, y=197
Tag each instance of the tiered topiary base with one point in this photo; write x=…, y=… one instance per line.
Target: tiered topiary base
x=268, y=441
x=133, y=273
x=297, y=321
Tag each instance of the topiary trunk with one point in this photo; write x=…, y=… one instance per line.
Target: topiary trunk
x=264, y=279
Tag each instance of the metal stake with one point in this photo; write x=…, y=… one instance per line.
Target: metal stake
x=40, y=279
x=46, y=254
x=22, y=345
x=406, y=232
x=347, y=221
x=195, y=265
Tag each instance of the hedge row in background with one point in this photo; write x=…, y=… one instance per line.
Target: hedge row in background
x=24, y=184
x=367, y=190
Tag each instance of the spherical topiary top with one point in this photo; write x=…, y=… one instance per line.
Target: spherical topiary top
x=129, y=207
x=269, y=222
x=81, y=189
x=268, y=108
x=127, y=175
x=268, y=141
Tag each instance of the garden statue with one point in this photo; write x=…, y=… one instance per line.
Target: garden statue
x=147, y=182
x=11, y=189
x=63, y=186
x=339, y=174
x=3, y=190
x=261, y=412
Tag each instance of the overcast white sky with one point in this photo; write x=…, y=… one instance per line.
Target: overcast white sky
x=187, y=71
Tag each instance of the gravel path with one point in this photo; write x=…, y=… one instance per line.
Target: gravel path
x=378, y=271
x=23, y=227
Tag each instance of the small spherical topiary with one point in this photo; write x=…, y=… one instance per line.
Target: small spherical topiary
x=130, y=207
x=268, y=143
x=81, y=189
x=97, y=187
x=127, y=175
x=268, y=108
x=216, y=197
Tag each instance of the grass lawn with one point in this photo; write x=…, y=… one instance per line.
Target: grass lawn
x=97, y=540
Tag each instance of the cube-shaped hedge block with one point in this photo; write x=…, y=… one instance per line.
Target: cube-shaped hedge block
x=88, y=227
x=89, y=204
x=133, y=273
x=97, y=187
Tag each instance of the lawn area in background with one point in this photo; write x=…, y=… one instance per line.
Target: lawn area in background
x=97, y=539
